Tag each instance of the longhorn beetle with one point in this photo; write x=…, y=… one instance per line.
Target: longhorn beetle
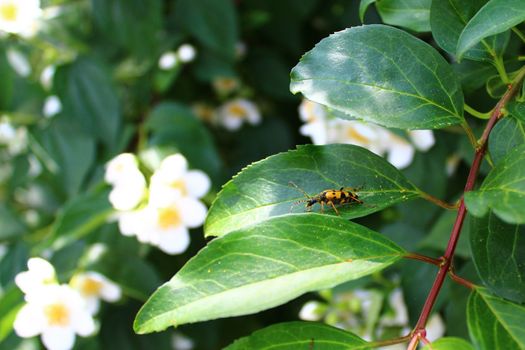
x=329, y=197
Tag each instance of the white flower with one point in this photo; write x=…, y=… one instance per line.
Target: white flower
x=19, y=16
x=52, y=106
x=225, y=85
x=186, y=53
x=93, y=286
x=40, y=272
x=233, y=113
x=18, y=62
x=168, y=60
x=397, y=303
x=452, y=163
x=311, y=311
x=46, y=77
x=7, y=132
x=173, y=179
x=118, y=168
x=324, y=129
x=14, y=138
x=167, y=223
x=128, y=192
x=57, y=312
x=181, y=342
x=435, y=327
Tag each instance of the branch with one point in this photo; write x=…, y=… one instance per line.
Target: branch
x=456, y=230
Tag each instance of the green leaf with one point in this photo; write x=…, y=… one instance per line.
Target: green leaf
x=383, y=75
x=448, y=18
x=173, y=124
x=498, y=251
x=11, y=225
x=449, y=343
x=212, y=22
x=266, y=265
x=262, y=190
x=127, y=23
x=363, y=6
x=61, y=145
x=440, y=233
x=473, y=74
x=495, y=17
x=495, y=323
x=11, y=301
x=503, y=190
x=517, y=109
x=89, y=98
x=300, y=335
x=79, y=217
x=508, y=134
x=410, y=14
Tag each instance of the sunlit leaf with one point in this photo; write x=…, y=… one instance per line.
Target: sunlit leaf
x=262, y=190
x=410, y=14
x=383, y=75
x=449, y=343
x=266, y=265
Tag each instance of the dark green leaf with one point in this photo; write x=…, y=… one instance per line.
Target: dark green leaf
x=448, y=18
x=440, y=234
x=410, y=14
x=262, y=190
x=11, y=225
x=495, y=17
x=213, y=22
x=508, y=134
x=6, y=83
x=383, y=75
x=495, y=323
x=503, y=190
x=175, y=125
x=449, y=343
x=61, y=143
x=13, y=262
x=363, y=6
x=498, y=251
x=300, y=335
x=88, y=97
x=130, y=24
x=472, y=74
x=266, y=265
x=517, y=109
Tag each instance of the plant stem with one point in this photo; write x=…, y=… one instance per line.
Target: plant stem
x=456, y=230
x=475, y=113
x=438, y=201
x=470, y=134
x=460, y=280
x=500, y=67
x=387, y=342
x=424, y=258
x=519, y=33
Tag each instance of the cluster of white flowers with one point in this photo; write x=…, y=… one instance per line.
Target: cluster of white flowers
x=161, y=214
x=14, y=138
x=325, y=129
x=355, y=310
x=231, y=115
x=59, y=311
x=19, y=16
x=171, y=59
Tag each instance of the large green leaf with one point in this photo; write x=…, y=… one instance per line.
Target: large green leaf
x=262, y=190
x=213, y=22
x=300, y=335
x=448, y=18
x=173, y=124
x=498, y=251
x=517, y=109
x=410, y=14
x=449, y=343
x=495, y=17
x=127, y=23
x=383, y=75
x=503, y=190
x=88, y=97
x=266, y=265
x=506, y=135
x=495, y=323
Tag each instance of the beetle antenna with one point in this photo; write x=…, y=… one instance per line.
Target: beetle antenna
x=299, y=189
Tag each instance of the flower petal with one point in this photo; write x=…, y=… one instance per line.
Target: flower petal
x=29, y=321
x=58, y=338
x=422, y=139
x=83, y=323
x=193, y=212
x=400, y=154
x=175, y=241
x=175, y=165
x=197, y=183
x=231, y=123
x=110, y=291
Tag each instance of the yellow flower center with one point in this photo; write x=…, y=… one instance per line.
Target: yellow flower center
x=57, y=314
x=91, y=287
x=237, y=111
x=354, y=135
x=9, y=12
x=179, y=185
x=169, y=217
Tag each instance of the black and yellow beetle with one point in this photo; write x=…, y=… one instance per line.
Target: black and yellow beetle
x=330, y=197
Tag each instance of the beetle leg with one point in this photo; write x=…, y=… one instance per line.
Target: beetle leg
x=335, y=209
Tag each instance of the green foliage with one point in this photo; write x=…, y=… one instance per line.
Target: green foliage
x=415, y=88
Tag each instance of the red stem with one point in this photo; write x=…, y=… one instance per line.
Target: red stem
x=456, y=230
